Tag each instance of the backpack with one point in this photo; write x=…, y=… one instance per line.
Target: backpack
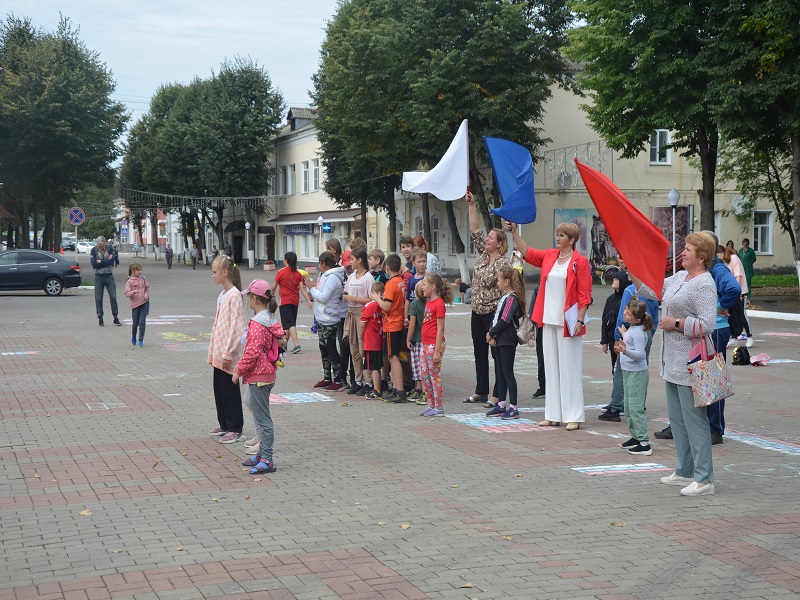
x=741, y=356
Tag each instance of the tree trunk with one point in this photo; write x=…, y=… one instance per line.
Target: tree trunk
x=154, y=227
x=363, y=231
x=48, y=235
x=392, y=210
x=476, y=187
x=461, y=251
x=795, y=143
x=199, y=240
x=36, y=229
x=708, y=140
x=426, y=219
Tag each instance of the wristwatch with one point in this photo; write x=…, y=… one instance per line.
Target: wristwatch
x=677, y=323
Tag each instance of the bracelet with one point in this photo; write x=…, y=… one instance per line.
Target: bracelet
x=581, y=322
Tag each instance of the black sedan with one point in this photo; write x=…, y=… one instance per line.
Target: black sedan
x=38, y=270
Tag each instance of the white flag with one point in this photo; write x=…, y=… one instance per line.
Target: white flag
x=449, y=179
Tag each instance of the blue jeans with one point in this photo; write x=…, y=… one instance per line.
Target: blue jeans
x=101, y=282
x=139, y=319
x=716, y=411
x=265, y=432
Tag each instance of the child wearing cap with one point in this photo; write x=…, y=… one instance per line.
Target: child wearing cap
x=258, y=369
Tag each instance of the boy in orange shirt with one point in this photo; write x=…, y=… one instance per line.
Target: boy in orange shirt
x=392, y=302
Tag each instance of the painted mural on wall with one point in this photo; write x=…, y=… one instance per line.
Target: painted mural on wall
x=662, y=217
x=594, y=243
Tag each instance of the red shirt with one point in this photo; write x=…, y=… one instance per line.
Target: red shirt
x=395, y=292
x=290, y=285
x=373, y=334
x=434, y=309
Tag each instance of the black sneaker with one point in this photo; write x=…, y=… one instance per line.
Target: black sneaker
x=641, y=450
x=716, y=438
x=610, y=415
x=399, y=397
x=664, y=434
x=354, y=389
x=362, y=390
x=101, y=322
x=388, y=396
x=538, y=393
x=117, y=322
x=631, y=443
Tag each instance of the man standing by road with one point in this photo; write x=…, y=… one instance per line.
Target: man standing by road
x=102, y=262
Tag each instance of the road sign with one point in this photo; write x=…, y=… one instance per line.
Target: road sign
x=76, y=216
x=124, y=222
x=124, y=230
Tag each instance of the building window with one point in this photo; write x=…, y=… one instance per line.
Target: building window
x=418, y=228
x=660, y=153
x=762, y=231
x=282, y=180
x=304, y=174
x=315, y=175
x=291, y=181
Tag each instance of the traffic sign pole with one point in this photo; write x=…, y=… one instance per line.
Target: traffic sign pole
x=76, y=216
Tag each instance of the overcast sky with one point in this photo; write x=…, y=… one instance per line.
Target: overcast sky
x=146, y=42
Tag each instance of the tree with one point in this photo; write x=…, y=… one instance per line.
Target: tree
x=760, y=174
x=58, y=123
x=211, y=138
x=644, y=68
x=755, y=82
x=397, y=77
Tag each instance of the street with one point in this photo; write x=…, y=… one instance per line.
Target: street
x=111, y=487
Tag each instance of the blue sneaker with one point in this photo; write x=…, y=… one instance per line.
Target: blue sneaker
x=141, y=344
x=428, y=412
x=497, y=411
x=437, y=412
x=133, y=340
x=511, y=413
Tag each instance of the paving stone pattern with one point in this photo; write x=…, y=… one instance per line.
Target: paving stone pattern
x=110, y=486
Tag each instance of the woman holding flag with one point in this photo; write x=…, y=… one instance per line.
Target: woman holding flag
x=565, y=293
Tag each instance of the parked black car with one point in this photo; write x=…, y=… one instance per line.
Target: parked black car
x=38, y=270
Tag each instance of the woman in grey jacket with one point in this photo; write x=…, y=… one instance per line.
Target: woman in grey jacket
x=689, y=303
x=329, y=310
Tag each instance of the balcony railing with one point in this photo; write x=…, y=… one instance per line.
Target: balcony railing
x=558, y=170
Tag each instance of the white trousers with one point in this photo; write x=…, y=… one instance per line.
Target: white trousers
x=563, y=368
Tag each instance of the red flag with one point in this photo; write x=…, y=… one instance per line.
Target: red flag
x=639, y=242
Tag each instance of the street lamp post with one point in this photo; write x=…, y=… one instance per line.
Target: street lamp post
x=320, y=221
x=674, y=197
x=247, y=244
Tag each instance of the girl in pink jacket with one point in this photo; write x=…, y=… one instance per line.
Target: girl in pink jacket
x=257, y=368
x=138, y=292
x=225, y=350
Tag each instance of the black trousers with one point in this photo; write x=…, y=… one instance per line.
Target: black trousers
x=480, y=325
x=228, y=399
x=506, y=381
x=540, y=358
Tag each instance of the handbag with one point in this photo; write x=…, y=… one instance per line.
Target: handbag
x=709, y=374
x=741, y=356
x=526, y=332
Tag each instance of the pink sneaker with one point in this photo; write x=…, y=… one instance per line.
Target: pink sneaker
x=217, y=431
x=231, y=437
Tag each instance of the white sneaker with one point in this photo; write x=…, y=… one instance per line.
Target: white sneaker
x=750, y=342
x=676, y=479
x=696, y=489
x=732, y=342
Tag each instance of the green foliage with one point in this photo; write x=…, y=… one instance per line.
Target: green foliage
x=58, y=123
x=398, y=76
x=642, y=64
x=775, y=281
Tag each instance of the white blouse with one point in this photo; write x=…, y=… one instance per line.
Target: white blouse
x=555, y=296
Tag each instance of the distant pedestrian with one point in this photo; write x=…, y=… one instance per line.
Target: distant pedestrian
x=228, y=250
x=225, y=349
x=113, y=248
x=193, y=254
x=215, y=252
x=138, y=292
x=135, y=250
x=102, y=260
x=169, y=254
x=748, y=257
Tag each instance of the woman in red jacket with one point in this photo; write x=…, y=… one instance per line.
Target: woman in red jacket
x=565, y=293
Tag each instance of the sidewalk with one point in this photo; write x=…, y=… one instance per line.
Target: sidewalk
x=111, y=487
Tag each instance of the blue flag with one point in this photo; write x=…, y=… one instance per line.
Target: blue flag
x=513, y=173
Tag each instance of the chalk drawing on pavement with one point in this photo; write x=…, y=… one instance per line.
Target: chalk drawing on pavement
x=299, y=398
x=764, y=443
x=497, y=425
x=21, y=353
x=783, y=471
x=619, y=469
